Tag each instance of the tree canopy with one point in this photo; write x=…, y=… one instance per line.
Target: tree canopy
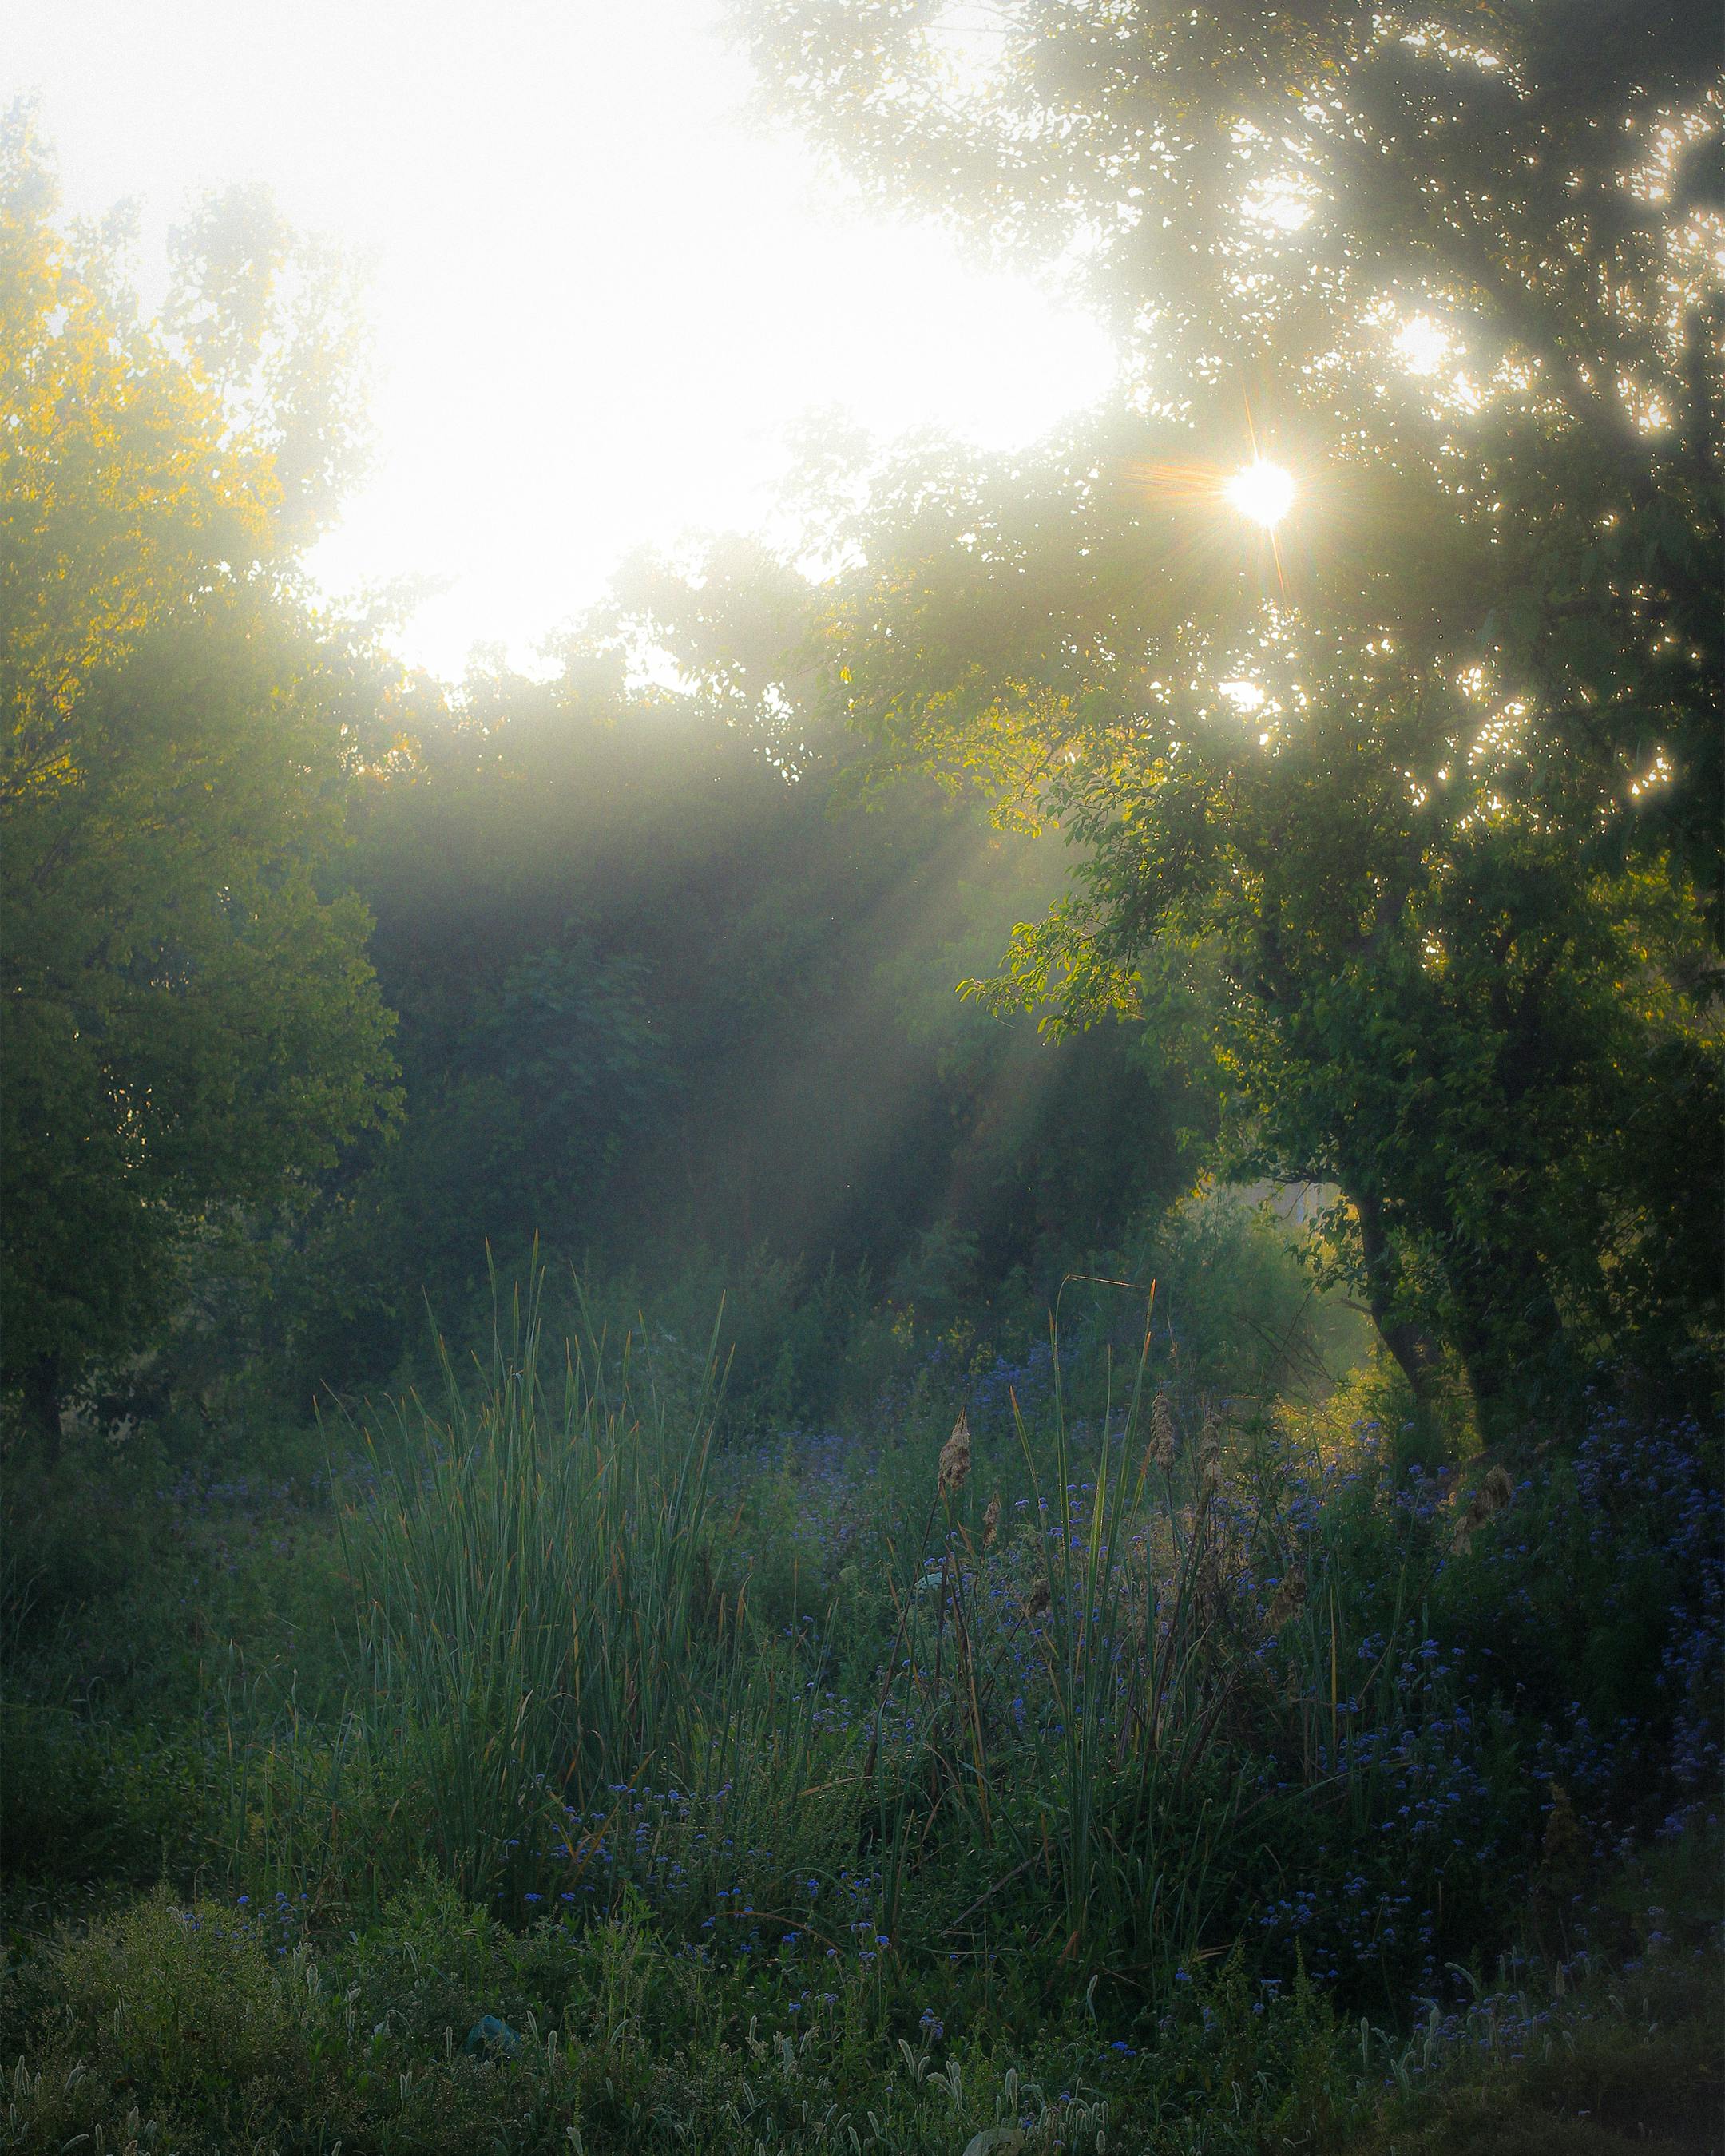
x=191, y=1021
x=1427, y=775
x=1393, y=793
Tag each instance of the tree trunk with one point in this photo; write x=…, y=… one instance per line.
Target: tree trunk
x=1413, y=1347
x=42, y=1404
x=1512, y=1340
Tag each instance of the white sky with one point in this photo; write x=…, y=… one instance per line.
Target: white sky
x=599, y=297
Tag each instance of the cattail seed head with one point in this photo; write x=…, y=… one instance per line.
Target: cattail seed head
x=1288, y=1599
x=1493, y=1495
x=1563, y=1856
x=955, y=1458
x=1161, y=1453
x=991, y=1522
x=1040, y=1599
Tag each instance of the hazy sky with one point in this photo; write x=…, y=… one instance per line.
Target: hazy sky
x=599, y=296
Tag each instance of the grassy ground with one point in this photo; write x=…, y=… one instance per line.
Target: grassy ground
x=214, y=2027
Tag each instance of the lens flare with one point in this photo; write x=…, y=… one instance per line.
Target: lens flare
x=1263, y=491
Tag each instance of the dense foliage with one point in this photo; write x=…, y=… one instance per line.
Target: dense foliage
x=1431, y=775
x=191, y=1021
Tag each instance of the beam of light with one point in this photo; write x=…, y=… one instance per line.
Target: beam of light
x=1177, y=486
x=1262, y=491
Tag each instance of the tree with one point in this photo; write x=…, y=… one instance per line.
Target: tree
x=661, y=1004
x=525, y=1098
x=190, y=1020
x=1428, y=784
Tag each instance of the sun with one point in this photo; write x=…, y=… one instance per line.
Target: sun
x=1263, y=491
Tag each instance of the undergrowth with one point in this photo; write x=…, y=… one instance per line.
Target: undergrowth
x=1140, y=1762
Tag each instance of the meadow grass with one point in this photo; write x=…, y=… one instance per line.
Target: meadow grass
x=1135, y=1765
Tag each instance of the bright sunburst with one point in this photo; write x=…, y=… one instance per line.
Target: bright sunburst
x=1263, y=491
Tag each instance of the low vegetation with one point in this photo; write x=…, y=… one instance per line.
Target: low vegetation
x=556, y=1762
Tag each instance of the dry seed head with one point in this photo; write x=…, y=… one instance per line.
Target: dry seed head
x=1209, y=1440
x=1493, y=1495
x=1288, y=1599
x=1137, y=1620
x=955, y=1458
x=1040, y=1599
x=991, y=1522
x=1565, y=1848
x=1161, y=1434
